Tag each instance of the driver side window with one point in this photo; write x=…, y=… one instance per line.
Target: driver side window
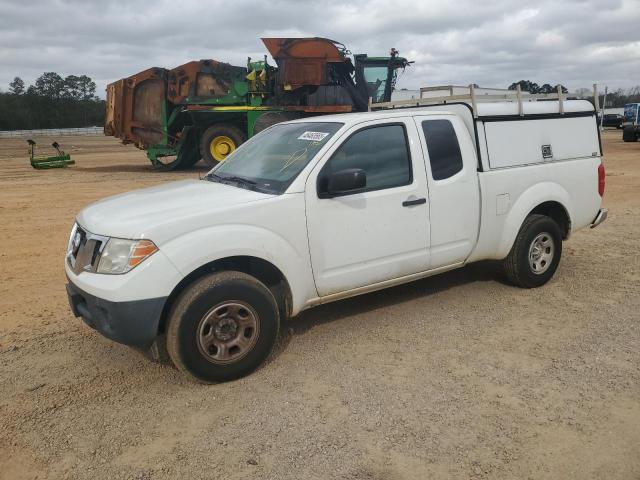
x=382, y=152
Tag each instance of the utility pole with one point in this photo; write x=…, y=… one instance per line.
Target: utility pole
x=604, y=104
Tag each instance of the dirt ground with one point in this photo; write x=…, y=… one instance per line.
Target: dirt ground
x=455, y=376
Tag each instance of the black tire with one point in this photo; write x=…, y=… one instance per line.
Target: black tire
x=189, y=321
x=629, y=135
x=548, y=241
x=219, y=130
x=180, y=162
x=167, y=164
x=187, y=157
x=268, y=119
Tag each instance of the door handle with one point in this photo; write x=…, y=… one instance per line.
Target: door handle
x=417, y=201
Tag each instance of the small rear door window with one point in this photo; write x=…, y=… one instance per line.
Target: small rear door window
x=443, y=147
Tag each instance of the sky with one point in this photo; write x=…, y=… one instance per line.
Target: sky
x=492, y=44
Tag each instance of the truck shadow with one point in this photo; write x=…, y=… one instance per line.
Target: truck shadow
x=486, y=271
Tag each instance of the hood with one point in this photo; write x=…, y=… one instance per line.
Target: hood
x=165, y=211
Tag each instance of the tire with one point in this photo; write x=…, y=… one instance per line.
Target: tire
x=268, y=119
x=187, y=157
x=629, y=135
x=183, y=161
x=535, y=254
x=222, y=327
x=167, y=164
x=228, y=138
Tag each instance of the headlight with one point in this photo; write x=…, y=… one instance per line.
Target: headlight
x=72, y=237
x=120, y=256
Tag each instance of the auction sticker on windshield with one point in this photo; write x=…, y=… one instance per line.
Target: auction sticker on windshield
x=313, y=136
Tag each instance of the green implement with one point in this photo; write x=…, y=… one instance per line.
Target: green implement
x=57, y=161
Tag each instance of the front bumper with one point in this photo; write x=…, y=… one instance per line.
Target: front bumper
x=132, y=322
x=601, y=217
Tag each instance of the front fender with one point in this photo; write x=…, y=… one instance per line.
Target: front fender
x=195, y=249
x=526, y=202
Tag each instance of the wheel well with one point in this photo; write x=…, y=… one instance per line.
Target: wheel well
x=557, y=213
x=258, y=268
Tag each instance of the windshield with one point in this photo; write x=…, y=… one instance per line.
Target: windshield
x=631, y=112
x=376, y=78
x=271, y=160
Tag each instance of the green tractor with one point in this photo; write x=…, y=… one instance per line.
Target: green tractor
x=206, y=109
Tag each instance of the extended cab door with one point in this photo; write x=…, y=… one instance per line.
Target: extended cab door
x=454, y=194
x=380, y=232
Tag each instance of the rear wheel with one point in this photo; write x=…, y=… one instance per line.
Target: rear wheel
x=629, y=135
x=218, y=141
x=222, y=327
x=536, y=252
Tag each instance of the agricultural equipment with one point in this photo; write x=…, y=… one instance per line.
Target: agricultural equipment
x=206, y=109
x=57, y=161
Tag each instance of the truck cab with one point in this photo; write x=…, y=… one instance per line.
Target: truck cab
x=319, y=209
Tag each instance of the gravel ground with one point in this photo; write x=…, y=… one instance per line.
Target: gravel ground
x=455, y=376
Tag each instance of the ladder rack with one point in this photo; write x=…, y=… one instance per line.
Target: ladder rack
x=474, y=98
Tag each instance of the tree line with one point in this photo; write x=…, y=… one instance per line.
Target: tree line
x=620, y=97
x=51, y=102
x=615, y=99
x=69, y=102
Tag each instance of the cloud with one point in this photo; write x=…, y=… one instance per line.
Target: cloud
x=550, y=39
x=574, y=42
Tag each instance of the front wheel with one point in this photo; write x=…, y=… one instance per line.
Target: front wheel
x=629, y=135
x=535, y=254
x=222, y=327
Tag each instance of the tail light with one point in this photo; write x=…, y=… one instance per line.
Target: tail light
x=601, y=179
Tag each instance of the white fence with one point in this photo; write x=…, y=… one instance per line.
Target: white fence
x=51, y=132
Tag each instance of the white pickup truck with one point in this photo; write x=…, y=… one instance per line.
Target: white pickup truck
x=323, y=208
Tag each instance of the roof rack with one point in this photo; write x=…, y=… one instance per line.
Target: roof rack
x=474, y=98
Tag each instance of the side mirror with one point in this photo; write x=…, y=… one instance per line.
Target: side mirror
x=346, y=181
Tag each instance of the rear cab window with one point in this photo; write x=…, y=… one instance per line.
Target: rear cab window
x=443, y=147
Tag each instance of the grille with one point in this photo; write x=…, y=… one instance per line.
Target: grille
x=84, y=250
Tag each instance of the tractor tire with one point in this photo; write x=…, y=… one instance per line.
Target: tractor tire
x=535, y=254
x=180, y=162
x=269, y=119
x=222, y=327
x=218, y=141
x=167, y=164
x=187, y=157
x=629, y=135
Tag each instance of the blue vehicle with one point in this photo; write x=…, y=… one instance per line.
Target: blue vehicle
x=631, y=122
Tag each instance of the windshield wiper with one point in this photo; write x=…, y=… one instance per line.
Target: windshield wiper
x=238, y=180
x=232, y=178
x=212, y=176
